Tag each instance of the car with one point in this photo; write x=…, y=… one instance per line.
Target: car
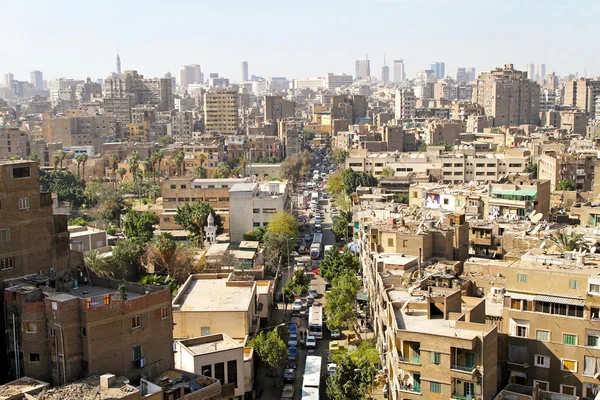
x=335, y=334
x=311, y=352
x=307, y=237
x=327, y=286
x=311, y=342
x=288, y=375
x=292, y=331
x=288, y=392
x=310, y=301
x=291, y=364
x=334, y=345
x=331, y=367
x=318, y=227
x=300, y=263
x=293, y=340
x=293, y=351
x=317, y=303
x=324, y=195
x=313, y=292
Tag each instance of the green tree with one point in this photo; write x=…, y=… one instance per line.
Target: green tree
x=55, y=161
x=62, y=155
x=134, y=165
x=282, y=228
x=291, y=169
x=256, y=235
x=566, y=242
x=113, y=162
x=297, y=285
x=387, y=171
x=532, y=168
x=140, y=226
x=353, y=179
x=243, y=164
x=422, y=147
x=84, y=159
x=78, y=161
x=566, y=185
x=166, y=246
x=335, y=185
x=97, y=263
x=335, y=264
x=67, y=186
x=401, y=198
x=160, y=280
x=340, y=301
x=194, y=218
x=165, y=141
x=339, y=156
x=340, y=224
x=200, y=172
x=121, y=171
x=79, y=221
x=126, y=257
x=271, y=350
x=34, y=157
x=345, y=383
x=283, y=224
x=179, y=159
x=222, y=170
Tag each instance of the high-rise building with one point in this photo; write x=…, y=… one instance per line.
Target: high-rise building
x=118, y=63
x=385, y=72
x=405, y=104
x=439, y=68
x=462, y=75
x=363, y=68
x=189, y=74
x=277, y=108
x=36, y=78
x=399, y=75
x=540, y=72
x=221, y=111
x=471, y=72
x=244, y=71
x=8, y=78
x=583, y=94
x=338, y=80
x=508, y=96
x=531, y=71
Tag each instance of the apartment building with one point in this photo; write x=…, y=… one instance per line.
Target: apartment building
x=310, y=83
x=405, y=104
x=230, y=309
x=518, y=195
x=210, y=152
x=583, y=94
x=182, y=125
x=79, y=130
x=277, y=108
x=375, y=162
x=221, y=111
x=264, y=200
x=508, y=96
x=291, y=135
x=221, y=357
x=460, y=168
x=577, y=168
x=68, y=329
x=157, y=91
x=335, y=81
x=13, y=143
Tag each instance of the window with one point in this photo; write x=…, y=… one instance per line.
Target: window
x=173, y=186
x=24, y=203
x=4, y=235
x=566, y=389
x=445, y=201
x=7, y=263
x=569, y=339
x=594, y=313
x=34, y=357
x=164, y=312
x=568, y=365
x=543, y=336
x=256, y=210
x=541, y=361
x=521, y=331
x=594, y=288
x=559, y=309
x=205, y=331
x=435, y=387
x=543, y=385
x=256, y=224
x=390, y=242
x=206, y=370
x=137, y=352
x=220, y=372
x=52, y=332
x=184, y=186
x=269, y=210
x=435, y=358
x=136, y=322
x=573, y=284
x=591, y=366
x=21, y=172
x=522, y=278
x=30, y=327
x=232, y=372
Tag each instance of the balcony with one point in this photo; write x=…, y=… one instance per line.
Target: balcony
x=459, y=397
x=414, y=360
x=410, y=389
x=464, y=368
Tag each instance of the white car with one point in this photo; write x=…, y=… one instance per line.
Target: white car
x=335, y=334
x=311, y=342
x=293, y=340
x=331, y=369
x=313, y=293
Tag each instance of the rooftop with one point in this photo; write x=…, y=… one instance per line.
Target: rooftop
x=209, y=344
x=23, y=385
x=243, y=187
x=224, y=295
x=90, y=389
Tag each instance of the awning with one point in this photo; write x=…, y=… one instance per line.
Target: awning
x=520, y=192
x=520, y=296
x=362, y=296
x=560, y=300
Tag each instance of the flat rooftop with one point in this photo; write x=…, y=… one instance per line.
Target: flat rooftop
x=21, y=386
x=243, y=187
x=209, y=344
x=87, y=389
x=86, y=292
x=214, y=295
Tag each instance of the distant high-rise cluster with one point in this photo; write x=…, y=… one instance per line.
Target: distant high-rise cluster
x=244, y=71
x=363, y=68
x=189, y=74
x=439, y=68
x=385, y=72
x=399, y=74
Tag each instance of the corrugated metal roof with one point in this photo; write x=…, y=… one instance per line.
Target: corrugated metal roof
x=520, y=296
x=560, y=300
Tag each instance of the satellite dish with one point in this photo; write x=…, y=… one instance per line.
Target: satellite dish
x=547, y=228
x=543, y=244
x=532, y=214
x=592, y=249
x=537, y=217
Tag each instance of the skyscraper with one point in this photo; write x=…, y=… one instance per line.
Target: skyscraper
x=385, y=72
x=363, y=68
x=399, y=75
x=8, y=78
x=471, y=72
x=36, y=78
x=189, y=74
x=541, y=71
x=118, y=62
x=439, y=68
x=244, y=71
x=462, y=75
x=531, y=71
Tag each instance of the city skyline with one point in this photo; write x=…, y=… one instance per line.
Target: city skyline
x=274, y=49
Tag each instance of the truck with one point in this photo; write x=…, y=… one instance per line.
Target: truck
x=315, y=247
x=315, y=196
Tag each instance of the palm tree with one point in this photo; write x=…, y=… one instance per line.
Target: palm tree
x=568, y=242
x=79, y=160
x=113, y=161
x=55, y=161
x=34, y=157
x=160, y=155
x=97, y=263
x=121, y=171
x=154, y=161
x=243, y=163
x=166, y=246
x=84, y=158
x=147, y=163
x=134, y=165
x=201, y=172
x=202, y=159
x=178, y=159
x=61, y=156
x=200, y=213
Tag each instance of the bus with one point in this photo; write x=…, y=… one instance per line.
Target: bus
x=312, y=378
x=315, y=322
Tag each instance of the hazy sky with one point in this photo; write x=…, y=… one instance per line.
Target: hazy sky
x=77, y=39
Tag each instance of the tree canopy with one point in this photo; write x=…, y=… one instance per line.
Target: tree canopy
x=351, y=381
x=353, y=179
x=566, y=185
x=340, y=301
x=297, y=285
x=67, y=186
x=339, y=156
x=271, y=350
x=140, y=226
x=335, y=184
x=335, y=264
x=387, y=171
x=340, y=224
x=194, y=218
x=566, y=242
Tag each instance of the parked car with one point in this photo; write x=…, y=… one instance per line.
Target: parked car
x=293, y=340
x=311, y=352
x=335, y=334
x=334, y=346
x=324, y=195
x=293, y=351
x=288, y=392
x=331, y=367
x=291, y=364
x=310, y=301
x=311, y=342
x=288, y=375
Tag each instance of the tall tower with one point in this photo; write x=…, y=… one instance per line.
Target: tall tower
x=385, y=72
x=244, y=71
x=118, y=62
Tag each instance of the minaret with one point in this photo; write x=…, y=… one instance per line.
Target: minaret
x=118, y=62
x=210, y=231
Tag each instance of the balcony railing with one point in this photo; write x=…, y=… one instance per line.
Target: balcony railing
x=459, y=397
x=464, y=368
x=416, y=360
x=410, y=388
